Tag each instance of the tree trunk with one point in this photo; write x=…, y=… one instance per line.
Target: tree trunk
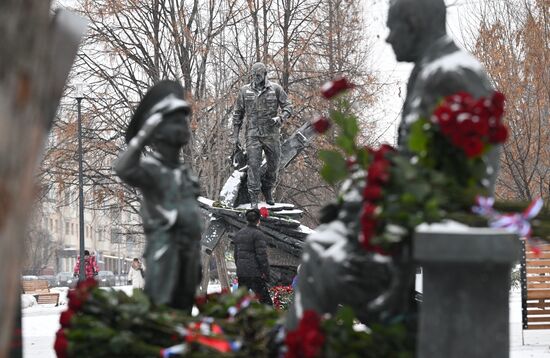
x=219, y=255
x=205, y=264
x=32, y=77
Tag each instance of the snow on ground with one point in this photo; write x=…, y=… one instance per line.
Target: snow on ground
x=40, y=322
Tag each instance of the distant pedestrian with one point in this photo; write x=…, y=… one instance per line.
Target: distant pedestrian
x=251, y=257
x=136, y=274
x=90, y=265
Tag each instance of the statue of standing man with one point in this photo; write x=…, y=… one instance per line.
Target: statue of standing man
x=169, y=206
x=260, y=101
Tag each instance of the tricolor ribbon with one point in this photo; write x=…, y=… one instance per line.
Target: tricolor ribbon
x=202, y=333
x=484, y=206
x=517, y=222
x=173, y=351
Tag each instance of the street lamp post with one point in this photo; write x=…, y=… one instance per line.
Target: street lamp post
x=79, y=98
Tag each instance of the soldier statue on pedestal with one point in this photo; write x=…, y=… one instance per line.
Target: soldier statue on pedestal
x=259, y=101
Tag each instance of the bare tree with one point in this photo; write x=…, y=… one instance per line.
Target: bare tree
x=210, y=47
x=512, y=44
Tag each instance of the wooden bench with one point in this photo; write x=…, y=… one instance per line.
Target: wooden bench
x=535, y=287
x=40, y=290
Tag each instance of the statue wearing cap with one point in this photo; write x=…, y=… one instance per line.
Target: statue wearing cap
x=259, y=102
x=169, y=206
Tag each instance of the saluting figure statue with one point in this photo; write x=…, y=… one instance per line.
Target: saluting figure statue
x=259, y=101
x=169, y=206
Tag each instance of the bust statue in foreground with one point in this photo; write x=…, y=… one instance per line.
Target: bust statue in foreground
x=335, y=270
x=441, y=68
x=169, y=206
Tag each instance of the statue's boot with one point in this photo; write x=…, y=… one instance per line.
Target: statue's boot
x=253, y=196
x=268, y=195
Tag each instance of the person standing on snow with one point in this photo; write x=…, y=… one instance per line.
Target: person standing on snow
x=90, y=265
x=251, y=257
x=136, y=276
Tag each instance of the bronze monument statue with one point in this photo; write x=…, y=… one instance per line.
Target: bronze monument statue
x=169, y=206
x=259, y=101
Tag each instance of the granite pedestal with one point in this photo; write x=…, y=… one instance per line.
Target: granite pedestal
x=466, y=283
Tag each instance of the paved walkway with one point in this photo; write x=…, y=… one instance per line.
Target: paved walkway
x=41, y=322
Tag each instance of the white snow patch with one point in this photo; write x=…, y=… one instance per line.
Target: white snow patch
x=177, y=176
x=277, y=206
x=230, y=189
x=160, y=252
x=454, y=227
x=333, y=237
x=298, y=305
x=27, y=301
x=411, y=117
x=288, y=212
x=457, y=61
x=205, y=201
x=150, y=160
x=305, y=229
x=170, y=215
x=353, y=196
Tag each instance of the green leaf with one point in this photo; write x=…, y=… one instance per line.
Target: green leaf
x=418, y=138
x=350, y=127
x=347, y=122
x=335, y=168
x=363, y=157
x=346, y=314
x=347, y=144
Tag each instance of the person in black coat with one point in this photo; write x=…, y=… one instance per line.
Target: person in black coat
x=251, y=257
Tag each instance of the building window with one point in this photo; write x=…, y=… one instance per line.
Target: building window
x=67, y=228
x=67, y=197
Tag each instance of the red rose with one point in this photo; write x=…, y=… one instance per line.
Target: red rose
x=76, y=300
x=320, y=124
x=498, y=134
x=369, y=209
x=65, y=318
x=458, y=139
x=372, y=192
x=333, y=88
x=379, y=172
x=61, y=345
x=473, y=147
x=308, y=339
x=381, y=152
x=368, y=230
x=201, y=300
x=224, y=291
x=87, y=285
x=469, y=127
x=462, y=98
x=264, y=212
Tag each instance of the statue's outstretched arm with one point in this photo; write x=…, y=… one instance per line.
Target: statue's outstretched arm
x=127, y=166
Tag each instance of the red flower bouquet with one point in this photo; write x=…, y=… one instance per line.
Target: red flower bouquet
x=471, y=124
x=308, y=339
